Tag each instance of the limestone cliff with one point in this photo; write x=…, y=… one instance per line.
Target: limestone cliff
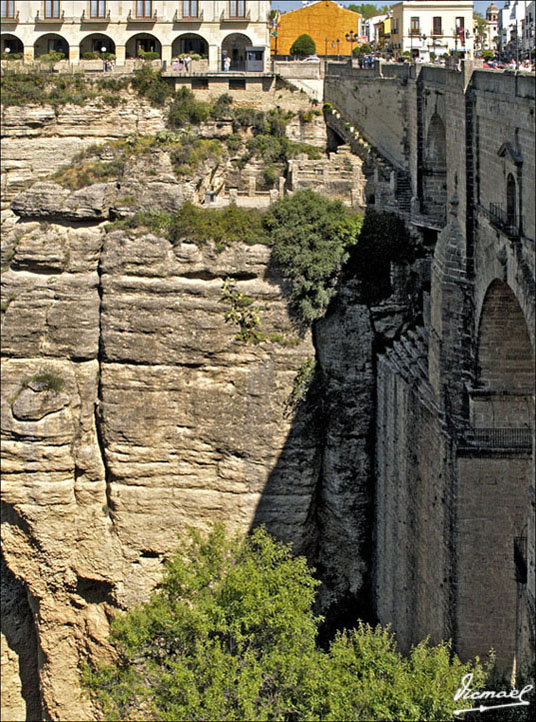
x=130, y=410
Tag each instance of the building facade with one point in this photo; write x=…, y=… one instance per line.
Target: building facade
x=424, y=26
x=492, y=27
x=213, y=29
x=325, y=21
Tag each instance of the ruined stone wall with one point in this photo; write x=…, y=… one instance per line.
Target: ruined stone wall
x=378, y=107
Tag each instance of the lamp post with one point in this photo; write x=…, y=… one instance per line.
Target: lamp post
x=7, y=51
x=103, y=50
x=352, y=37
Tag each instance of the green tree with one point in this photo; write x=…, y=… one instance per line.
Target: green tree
x=360, y=50
x=488, y=54
x=230, y=635
x=302, y=46
x=368, y=10
x=481, y=26
x=311, y=235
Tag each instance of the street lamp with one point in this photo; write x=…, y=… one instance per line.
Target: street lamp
x=7, y=51
x=352, y=37
x=103, y=50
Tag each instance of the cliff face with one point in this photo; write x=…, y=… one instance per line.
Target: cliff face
x=130, y=410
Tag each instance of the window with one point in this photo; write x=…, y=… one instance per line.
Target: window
x=98, y=8
x=8, y=8
x=144, y=8
x=190, y=8
x=52, y=8
x=237, y=8
x=436, y=30
x=460, y=23
x=415, y=26
x=511, y=200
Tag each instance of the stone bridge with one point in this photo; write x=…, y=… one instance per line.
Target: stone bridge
x=453, y=153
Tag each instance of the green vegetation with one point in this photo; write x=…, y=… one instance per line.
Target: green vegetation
x=368, y=10
x=361, y=50
x=46, y=380
x=488, y=54
x=192, y=151
x=199, y=225
x=231, y=635
x=241, y=312
x=94, y=55
x=56, y=90
x=303, y=45
x=151, y=85
x=185, y=109
x=311, y=236
x=302, y=382
x=383, y=239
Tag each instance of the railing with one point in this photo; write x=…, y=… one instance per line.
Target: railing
x=133, y=18
x=226, y=17
x=11, y=18
x=503, y=220
x=180, y=18
x=501, y=438
x=520, y=558
x=45, y=19
x=95, y=18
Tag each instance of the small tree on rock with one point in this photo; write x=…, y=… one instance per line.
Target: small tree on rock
x=303, y=46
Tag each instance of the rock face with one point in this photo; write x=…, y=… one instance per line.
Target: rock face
x=129, y=411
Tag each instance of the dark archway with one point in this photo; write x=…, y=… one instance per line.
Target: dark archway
x=436, y=141
x=51, y=42
x=95, y=42
x=511, y=200
x=11, y=46
x=234, y=47
x=190, y=43
x=505, y=356
x=494, y=476
x=143, y=43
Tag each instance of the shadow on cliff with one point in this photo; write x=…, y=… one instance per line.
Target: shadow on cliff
x=18, y=628
x=326, y=463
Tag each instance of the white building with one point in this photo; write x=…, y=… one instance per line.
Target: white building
x=492, y=27
x=370, y=28
x=529, y=30
x=210, y=28
x=511, y=26
x=424, y=26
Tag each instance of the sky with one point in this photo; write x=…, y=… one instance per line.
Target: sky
x=283, y=5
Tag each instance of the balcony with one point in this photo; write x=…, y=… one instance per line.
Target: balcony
x=226, y=17
x=414, y=31
x=10, y=19
x=504, y=221
x=180, y=18
x=102, y=19
x=133, y=18
x=52, y=20
x=501, y=438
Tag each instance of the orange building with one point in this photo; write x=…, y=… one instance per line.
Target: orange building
x=325, y=21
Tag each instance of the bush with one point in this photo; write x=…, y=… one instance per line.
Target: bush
x=488, y=54
x=303, y=46
x=152, y=86
x=192, y=151
x=361, y=50
x=186, y=109
x=311, y=236
x=149, y=55
x=224, y=226
x=230, y=635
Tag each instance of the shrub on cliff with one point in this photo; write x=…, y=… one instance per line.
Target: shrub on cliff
x=231, y=635
x=303, y=45
x=311, y=235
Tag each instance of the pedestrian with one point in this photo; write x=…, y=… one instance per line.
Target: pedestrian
x=187, y=61
x=227, y=63
x=181, y=65
x=175, y=65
